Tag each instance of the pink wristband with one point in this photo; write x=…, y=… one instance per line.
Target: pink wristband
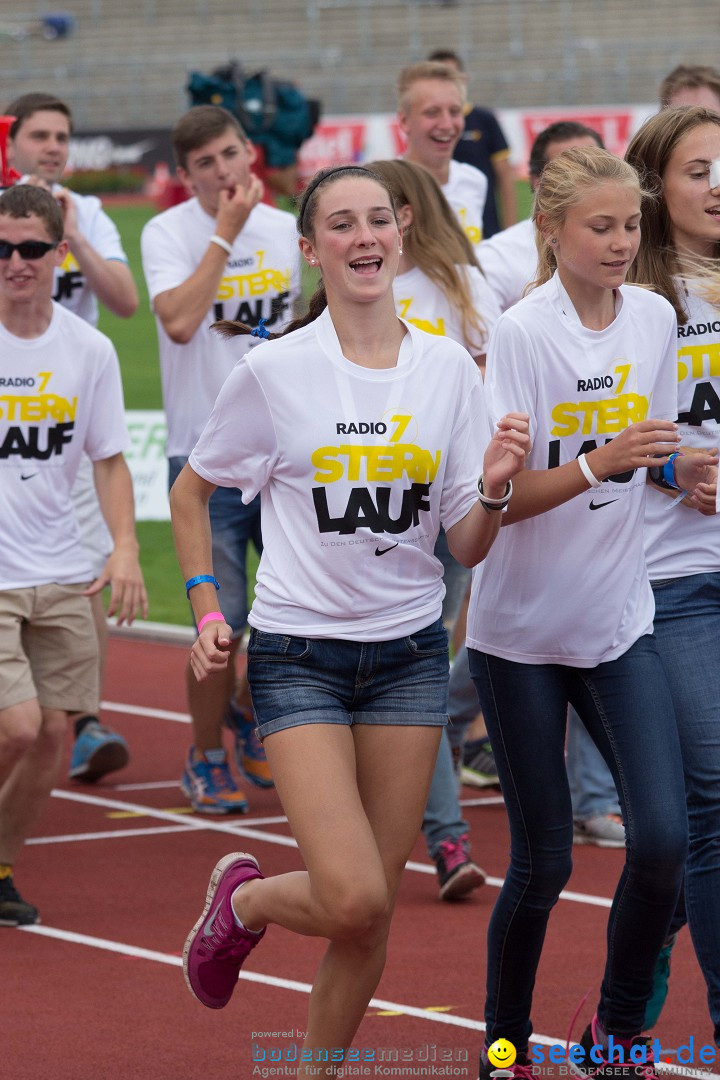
x=211, y=615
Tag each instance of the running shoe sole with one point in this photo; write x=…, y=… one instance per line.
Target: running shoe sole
x=106, y=759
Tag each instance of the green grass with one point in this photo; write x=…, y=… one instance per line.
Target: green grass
x=136, y=343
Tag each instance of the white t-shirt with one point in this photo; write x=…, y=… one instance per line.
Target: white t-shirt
x=60, y=394
x=510, y=260
x=570, y=586
x=71, y=289
x=466, y=191
x=421, y=302
x=261, y=281
x=678, y=540
x=357, y=468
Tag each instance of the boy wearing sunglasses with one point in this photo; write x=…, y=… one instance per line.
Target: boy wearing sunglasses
x=60, y=396
x=94, y=269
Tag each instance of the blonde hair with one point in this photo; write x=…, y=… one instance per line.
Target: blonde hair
x=566, y=180
x=657, y=262
x=424, y=71
x=435, y=242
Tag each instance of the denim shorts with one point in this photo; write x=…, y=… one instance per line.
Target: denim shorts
x=233, y=526
x=297, y=680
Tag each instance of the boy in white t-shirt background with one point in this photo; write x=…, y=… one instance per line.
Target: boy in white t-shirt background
x=61, y=397
x=94, y=270
x=221, y=255
x=431, y=114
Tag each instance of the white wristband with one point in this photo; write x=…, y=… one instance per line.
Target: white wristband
x=494, y=504
x=215, y=239
x=587, y=472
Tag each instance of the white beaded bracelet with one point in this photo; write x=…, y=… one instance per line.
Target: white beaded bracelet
x=215, y=239
x=587, y=472
x=494, y=504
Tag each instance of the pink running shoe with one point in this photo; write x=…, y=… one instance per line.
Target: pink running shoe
x=217, y=947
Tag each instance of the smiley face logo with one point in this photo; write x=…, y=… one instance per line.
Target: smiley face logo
x=501, y=1054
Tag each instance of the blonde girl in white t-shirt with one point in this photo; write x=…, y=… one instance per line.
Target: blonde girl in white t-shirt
x=678, y=154
x=363, y=434
x=564, y=614
x=439, y=285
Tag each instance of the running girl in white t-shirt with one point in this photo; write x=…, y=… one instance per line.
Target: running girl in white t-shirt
x=678, y=152
x=363, y=434
x=565, y=611
x=439, y=286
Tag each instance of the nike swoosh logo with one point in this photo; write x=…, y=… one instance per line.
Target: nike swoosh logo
x=384, y=551
x=598, y=506
x=28, y=477
x=207, y=928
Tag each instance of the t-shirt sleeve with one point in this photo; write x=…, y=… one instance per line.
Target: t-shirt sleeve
x=470, y=437
x=107, y=432
x=486, y=305
x=664, y=404
x=510, y=384
x=105, y=237
x=165, y=257
x=238, y=447
x=496, y=142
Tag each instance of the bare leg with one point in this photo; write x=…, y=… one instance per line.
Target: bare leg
x=355, y=835
x=208, y=703
x=25, y=792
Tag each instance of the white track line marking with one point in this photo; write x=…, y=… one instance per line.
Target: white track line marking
x=109, y=834
x=304, y=988
x=140, y=710
x=271, y=838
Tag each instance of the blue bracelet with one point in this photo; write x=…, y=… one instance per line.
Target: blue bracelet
x=193, y=581
x=669, y=471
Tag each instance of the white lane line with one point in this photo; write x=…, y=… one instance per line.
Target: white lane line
x=152, y=785
x=140, y=710
x=294, y=985
x=109, y=834
x=272, y=838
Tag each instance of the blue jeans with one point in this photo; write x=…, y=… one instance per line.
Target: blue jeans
x=627, y=708
x=233, y=525
x=592, y=788
x=443, y=818
x=687, y=631
x=297, y=680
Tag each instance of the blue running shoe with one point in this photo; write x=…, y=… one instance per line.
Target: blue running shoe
x=249, y=754
x=209, y=785
x=97, y=751
x=661, y=976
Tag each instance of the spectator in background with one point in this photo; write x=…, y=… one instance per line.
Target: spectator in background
x=94, y=269
x=48, y=645
x=221, y=255
x=509, y=259
x=483, y=144
x=431, y=102
x=691, y=84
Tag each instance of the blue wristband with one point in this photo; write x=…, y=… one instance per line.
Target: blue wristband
x=193, y=581
x=669, y=471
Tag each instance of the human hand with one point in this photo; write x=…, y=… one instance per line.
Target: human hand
x=211, y=652
x=506, y=453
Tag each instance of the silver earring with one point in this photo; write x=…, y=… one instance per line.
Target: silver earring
x=553, y=240
x=399, y=251
x=313, y=262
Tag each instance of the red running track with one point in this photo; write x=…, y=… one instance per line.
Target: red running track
x=119, y=872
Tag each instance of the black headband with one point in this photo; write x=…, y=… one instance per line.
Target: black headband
x=320, y=179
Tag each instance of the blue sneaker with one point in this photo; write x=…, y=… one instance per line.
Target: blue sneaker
x=97, y=751
x=209, y=785
x=661, y=975
x=249, y=754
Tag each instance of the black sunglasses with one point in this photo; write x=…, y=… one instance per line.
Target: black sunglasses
x=28, y=249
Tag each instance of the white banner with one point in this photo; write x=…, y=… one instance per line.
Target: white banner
x=148, y=463
x=342, y=139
